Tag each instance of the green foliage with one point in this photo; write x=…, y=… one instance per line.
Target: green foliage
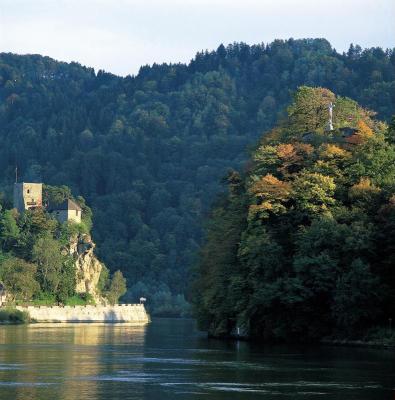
x=9, y=231
x=34, y=263
x=166, y=305
x=309, y=109
x=391, y=131
x=70, y=229
x=357, y=297
x=13, y=316
x=55, y=195
x=162, y=303
x=148, y=151
x=81, y=299
x=104, y=280
x=49, y=259
x=43, y=299
x=87, y=215
x=313, y=192
x=381, y=336
x=19, y=278
x=117, y=287
x=67, y=280
x=309, y=252
x=212, y=291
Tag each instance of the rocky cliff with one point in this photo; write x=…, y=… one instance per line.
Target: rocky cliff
x=88, y=267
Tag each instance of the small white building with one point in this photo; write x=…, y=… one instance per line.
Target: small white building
x=69, y=210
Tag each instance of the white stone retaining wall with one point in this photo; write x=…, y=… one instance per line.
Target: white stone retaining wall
x=117, y=313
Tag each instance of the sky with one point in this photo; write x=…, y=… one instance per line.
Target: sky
x=119, y=36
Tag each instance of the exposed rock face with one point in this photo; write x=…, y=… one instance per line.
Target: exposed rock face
x=88, y=267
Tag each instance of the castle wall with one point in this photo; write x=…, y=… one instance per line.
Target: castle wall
x=61, y=215
x=74, y=215
x=19, y=203
x=67, y=215
x=135, y=313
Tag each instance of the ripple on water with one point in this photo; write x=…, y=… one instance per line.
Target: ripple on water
x=299, y=384
x=27, y=384
x=198, y=362
x=137, y=377
x=273, y=388
x=11, y=367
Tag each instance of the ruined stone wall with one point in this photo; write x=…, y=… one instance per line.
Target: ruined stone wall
x=135, y=313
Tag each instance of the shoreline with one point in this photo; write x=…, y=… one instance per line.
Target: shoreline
x=326, y=342
x=357, y=343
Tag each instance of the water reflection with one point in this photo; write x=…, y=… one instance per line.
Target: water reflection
x=169, y=359
x=63, y=361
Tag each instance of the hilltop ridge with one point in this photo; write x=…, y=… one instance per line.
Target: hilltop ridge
x=148, y=152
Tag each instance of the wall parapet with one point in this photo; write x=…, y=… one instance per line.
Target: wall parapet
x=135, y=313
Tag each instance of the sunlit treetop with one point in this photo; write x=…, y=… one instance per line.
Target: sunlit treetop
x=308, y=118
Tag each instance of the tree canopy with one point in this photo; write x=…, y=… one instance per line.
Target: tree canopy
x=303, y=249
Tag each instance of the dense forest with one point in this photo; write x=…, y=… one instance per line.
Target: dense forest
x=148, y=152
x=302, y=246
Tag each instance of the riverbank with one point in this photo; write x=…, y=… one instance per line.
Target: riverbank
x=384, y=343
x=380, y=338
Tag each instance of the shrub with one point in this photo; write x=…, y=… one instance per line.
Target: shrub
x=44, y=299
x=13, y=316
x=81, y=299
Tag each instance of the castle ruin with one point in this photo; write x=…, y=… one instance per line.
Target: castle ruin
x=28, y=196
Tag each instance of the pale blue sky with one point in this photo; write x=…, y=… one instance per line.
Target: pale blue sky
x=121, y=35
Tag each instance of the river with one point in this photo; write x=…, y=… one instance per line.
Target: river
x=170, y=359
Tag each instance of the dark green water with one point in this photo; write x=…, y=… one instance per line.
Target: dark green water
x=169, y=359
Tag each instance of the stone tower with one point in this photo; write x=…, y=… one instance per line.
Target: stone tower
x=28, y=196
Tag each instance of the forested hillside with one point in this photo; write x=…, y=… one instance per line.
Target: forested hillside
x=302, y=246
x=46, y=262
x=148, y=152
